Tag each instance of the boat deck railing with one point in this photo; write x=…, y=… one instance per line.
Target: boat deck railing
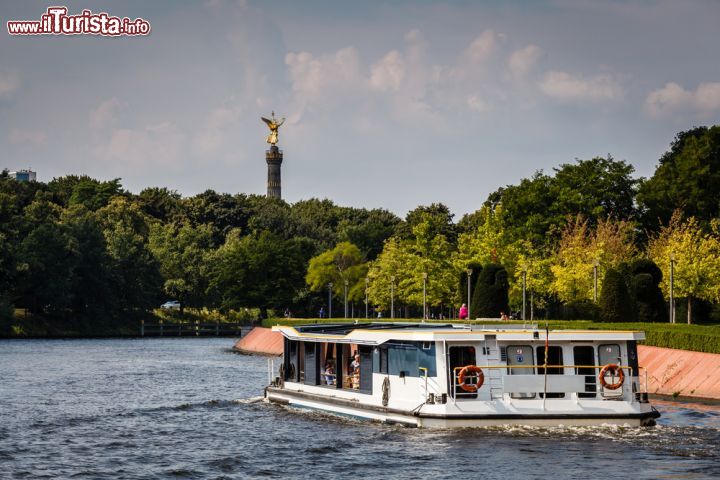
x=586, y=387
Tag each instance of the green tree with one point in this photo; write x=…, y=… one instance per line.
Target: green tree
x=136, y=274
x=537, y=208
x=615, y=302
x=490, y=297
x=93, y=301
x=696, y=257
x=183, y=252
x=342, y=263
x=160, y=203
x=644, y=278
x=391, y=264
x=687, y=178
x=93, y=194
x=437, y=215
x=261, y=270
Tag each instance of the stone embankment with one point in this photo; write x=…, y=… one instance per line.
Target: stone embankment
x=260, y=341
x=669, y=372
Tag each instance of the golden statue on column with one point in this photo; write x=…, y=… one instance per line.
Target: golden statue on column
x=273, y=125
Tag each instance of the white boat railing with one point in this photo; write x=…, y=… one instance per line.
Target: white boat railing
x=535, y=383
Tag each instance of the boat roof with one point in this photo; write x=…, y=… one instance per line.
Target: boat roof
x=377, y=333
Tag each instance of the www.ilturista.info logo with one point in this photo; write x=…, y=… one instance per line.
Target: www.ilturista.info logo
x=56, y=21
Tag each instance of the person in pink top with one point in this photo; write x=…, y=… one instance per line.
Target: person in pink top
x=463, y=314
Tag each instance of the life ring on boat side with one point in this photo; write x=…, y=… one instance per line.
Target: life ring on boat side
x=473, y=371
x=613, y=370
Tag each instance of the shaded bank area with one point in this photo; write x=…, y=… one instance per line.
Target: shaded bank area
x=669, y=372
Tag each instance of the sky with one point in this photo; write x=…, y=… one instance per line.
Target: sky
x=389, y=104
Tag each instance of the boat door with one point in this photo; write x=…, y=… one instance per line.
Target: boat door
x=610, y=353
x=460, y=356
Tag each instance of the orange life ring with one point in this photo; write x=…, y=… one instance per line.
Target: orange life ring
x=471, y=369
x=613, y=369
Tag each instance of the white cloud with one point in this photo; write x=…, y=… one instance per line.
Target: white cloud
x=673, y=98
x=312, y=76
x=212, y=137
x=567, y=87
x=17, y=136
x=482, y=48
x=388, y=73
x=478, y=104
x=522, y=61
x=106, y=114
x=9, y=83
x=152, y=146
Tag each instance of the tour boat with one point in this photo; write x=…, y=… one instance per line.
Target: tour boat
x=435, y=375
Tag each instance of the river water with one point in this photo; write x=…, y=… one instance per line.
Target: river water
x=188, y=408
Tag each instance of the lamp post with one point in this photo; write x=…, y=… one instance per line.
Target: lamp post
x=595, y=267
x=392, y=296
x=346, y=287
x=424, y=276
x=524, y=290
x=367, y=282
x=330, y=285
x=672, y=281
x=469, y=274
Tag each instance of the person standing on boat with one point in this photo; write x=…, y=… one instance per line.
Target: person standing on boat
x=463, y=314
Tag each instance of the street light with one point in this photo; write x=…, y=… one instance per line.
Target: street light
x=330, y=285
x=469, y=274
x=424, y=275
x=367, y=282
x=595, y=267
x=672, y=281
x=524, y=285
x=392, y=296
x=346, y=287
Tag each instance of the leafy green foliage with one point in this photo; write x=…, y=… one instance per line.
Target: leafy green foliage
x=687, y=178
x=490, y=297
x=615, y=301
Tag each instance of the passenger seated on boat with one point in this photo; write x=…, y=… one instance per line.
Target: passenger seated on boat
x=355, y=372
x=329, y=374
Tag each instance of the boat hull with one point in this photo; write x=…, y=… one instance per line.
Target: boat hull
x=418, y=418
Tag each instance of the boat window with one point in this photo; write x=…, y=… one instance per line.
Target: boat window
x=366, y=372
x=520, y=355
x=301, y=362
x=403, y=360
x=584, y=359
x=328, y=364
x=312, y=361
x=291, y=367
x=383, y=360
x=554, y=357
x=632, y=357
x=609, y=353
x=426, y=359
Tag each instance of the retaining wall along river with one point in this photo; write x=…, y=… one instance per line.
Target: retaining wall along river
x=669, y=372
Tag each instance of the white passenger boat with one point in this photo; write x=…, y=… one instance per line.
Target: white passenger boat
x=431, y=375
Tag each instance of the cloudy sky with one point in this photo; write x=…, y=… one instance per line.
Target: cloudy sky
x=389, y=104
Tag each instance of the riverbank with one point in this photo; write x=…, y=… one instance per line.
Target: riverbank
x=670, y=372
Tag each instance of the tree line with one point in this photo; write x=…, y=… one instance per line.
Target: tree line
x=586, y=240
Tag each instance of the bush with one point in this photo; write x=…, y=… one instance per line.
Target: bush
x=616, y=305
x=579, y=310
x=490, y=296
x=643, y=278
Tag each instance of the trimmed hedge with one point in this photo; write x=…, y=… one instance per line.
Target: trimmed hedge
x=698, y=338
